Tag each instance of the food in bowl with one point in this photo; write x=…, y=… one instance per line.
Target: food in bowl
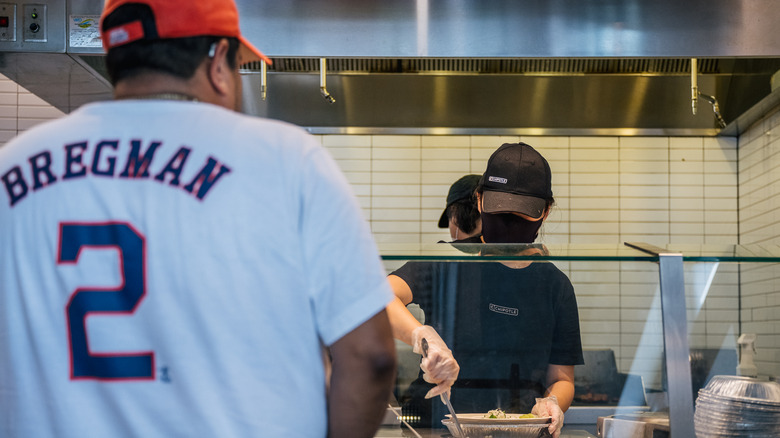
x=498, y=413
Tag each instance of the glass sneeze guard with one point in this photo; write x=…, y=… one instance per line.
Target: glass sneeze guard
x=636, y=304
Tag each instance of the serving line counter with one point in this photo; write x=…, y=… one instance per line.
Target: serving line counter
x=656, y=323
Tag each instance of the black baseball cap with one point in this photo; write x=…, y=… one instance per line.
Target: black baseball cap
x=517, y=180
x=463, y=188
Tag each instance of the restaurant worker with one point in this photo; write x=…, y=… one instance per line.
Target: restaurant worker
x=513, y=326
x=141, y=292
x=461, y=215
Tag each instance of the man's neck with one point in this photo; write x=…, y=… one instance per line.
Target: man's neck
x=161, y=86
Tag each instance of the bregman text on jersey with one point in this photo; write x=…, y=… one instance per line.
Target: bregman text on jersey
x=101, y=159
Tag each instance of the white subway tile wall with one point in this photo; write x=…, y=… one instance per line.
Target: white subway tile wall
x=607, y=189
x=759, y=213
x=9, y=109
x=21, y=110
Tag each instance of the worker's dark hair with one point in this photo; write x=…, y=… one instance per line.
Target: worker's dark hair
x=465, y=214
x=179, y=57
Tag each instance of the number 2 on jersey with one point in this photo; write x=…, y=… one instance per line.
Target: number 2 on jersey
x=119, y=301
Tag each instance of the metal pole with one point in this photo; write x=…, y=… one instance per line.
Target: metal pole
x=678, y=365
x=676, y=350
x=694, y=85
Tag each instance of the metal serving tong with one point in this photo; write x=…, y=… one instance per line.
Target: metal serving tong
x=444, y=396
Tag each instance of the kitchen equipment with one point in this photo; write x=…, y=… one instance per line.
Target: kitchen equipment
x=391, y=423
x=737, y=406
x=385, y=77
x=480, y=419
x=490, y=428
x=634, y=425
x=742, y=388
x=598, y=382
x=446, y=398
x=401, y=419
x=745, y=350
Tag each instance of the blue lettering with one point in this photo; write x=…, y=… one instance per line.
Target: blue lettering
x=41, y=166
x=111, y=160
x=206, y=178
x=139, y=168
x=15, y=185
x=76, y=164
x=73, y=155
x=174, y=166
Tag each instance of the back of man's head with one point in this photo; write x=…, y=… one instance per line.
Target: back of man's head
x=169, y=36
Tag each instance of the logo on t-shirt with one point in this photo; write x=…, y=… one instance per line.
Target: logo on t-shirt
x=511, y=311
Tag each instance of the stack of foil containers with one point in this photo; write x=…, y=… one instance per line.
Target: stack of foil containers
x=735, y=407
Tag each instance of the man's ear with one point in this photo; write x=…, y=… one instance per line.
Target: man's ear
x=219, y=71
x=479, y=202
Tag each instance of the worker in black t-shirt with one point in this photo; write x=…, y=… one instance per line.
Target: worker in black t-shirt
x=513, y=326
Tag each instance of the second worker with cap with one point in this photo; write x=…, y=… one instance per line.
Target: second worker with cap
x=461, y=215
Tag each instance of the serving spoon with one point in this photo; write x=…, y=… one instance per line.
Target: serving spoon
x=444, y=396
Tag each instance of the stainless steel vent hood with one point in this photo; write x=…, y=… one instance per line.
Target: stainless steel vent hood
x=441, y=66
x=510, y=96
x=534, y=66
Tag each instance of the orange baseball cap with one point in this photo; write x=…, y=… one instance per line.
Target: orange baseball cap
x=179, y=19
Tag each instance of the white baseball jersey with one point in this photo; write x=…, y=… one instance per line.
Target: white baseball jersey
x=171, y=269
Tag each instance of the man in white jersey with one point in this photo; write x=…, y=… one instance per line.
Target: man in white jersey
x=172, y=268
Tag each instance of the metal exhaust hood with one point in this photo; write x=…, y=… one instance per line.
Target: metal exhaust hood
x=616, y=67
x=593, y=96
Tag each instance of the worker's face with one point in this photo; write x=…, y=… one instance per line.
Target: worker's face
x=509, y=227
x=454, y=231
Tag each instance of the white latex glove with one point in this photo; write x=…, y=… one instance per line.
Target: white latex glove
x=548, y=407
x=439, y=367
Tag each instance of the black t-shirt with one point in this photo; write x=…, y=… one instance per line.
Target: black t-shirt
x=503, y=325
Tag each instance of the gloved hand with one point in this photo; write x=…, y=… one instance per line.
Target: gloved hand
x=439, y=367
x=548, y=407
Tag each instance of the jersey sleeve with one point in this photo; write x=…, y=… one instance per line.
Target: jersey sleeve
x=567, y=345
x=347, y=280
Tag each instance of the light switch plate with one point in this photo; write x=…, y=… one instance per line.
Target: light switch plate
x=34, y=24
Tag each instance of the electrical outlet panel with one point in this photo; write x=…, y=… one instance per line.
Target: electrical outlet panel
x=30, y=26
x=34, y=25
x=7, y=22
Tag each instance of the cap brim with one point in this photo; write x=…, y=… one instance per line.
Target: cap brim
x=443, y=220
x=249, y=53
x=502, y=202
